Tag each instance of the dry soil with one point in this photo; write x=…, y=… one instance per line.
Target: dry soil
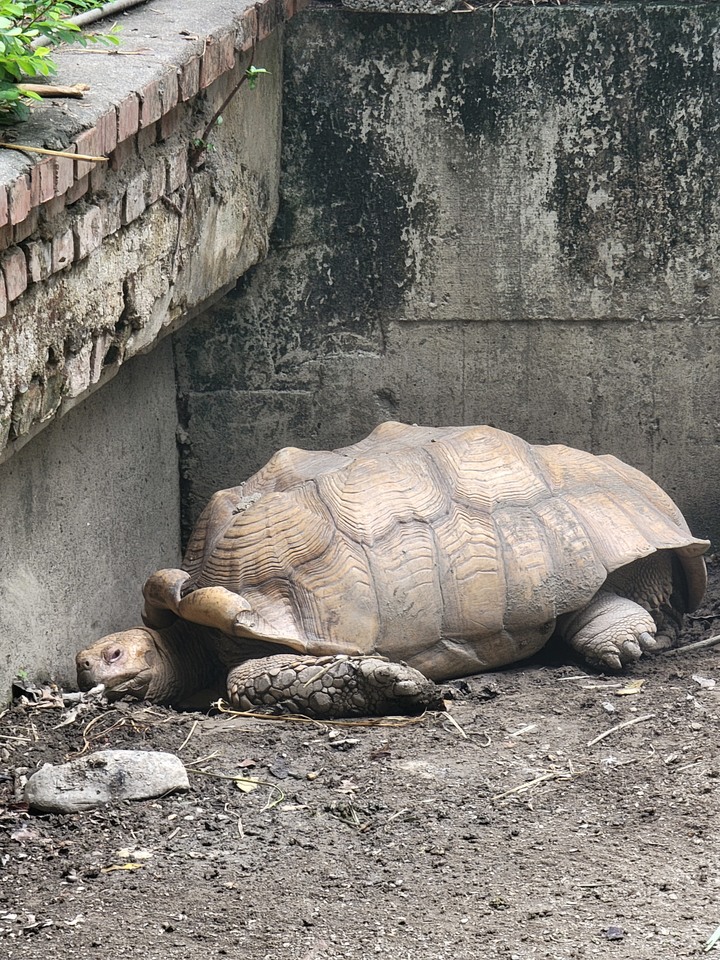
x=505, y=828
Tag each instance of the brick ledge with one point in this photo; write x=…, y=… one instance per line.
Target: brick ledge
x=169, y=54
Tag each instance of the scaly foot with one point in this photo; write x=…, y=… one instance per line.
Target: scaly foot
x=610, y=632
x=329, y=687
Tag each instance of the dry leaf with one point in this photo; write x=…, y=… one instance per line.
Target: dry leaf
x=246, y=784
x=633, y=687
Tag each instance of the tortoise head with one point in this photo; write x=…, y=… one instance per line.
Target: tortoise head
x=132, y=663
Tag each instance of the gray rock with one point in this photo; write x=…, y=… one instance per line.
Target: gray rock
x=104, y=777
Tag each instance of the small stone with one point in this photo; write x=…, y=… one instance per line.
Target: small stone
x=104, y=777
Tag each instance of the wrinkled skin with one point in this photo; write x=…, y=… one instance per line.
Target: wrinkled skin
x=163, y=666
x=127, y=663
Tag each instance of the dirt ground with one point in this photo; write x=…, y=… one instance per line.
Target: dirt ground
x=506, y=828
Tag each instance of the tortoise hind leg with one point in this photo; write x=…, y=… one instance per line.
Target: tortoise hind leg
x=610, y=632
x=328, y=687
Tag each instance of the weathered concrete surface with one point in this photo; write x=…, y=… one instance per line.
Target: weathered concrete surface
x=90, y=508
x=153, y=236
x=508, y=217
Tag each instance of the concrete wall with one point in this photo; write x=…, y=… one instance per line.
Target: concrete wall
x=509, y=217
x=89, y=477
x=90, y=508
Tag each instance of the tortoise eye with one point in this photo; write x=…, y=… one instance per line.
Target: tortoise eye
x=112, y=654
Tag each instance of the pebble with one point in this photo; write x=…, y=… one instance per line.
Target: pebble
x=104, y=777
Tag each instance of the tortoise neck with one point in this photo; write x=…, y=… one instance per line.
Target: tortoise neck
x=188, y=663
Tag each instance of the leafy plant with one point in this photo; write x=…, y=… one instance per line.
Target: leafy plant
x=28, y=30
x=252, y=74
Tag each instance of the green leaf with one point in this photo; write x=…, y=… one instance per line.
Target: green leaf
x=22, y=22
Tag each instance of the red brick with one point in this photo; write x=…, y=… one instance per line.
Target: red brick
x=150, y=104
x=63, y=250
x=64, y=173
x=6, y=236
x=169, y=122
x=88, y=231
x=110, y=212
x=107, y=133
x=250, y=27
x=169, y=90
x=20, y=201
x=218, y=58
x=177, y=169
x=39, y=259
x=134, y=200
x=4, y=212
x=122, y=152
x=21, y=231
x=88, y=143
x=78, y=190
x=189, y=80
x=53, y=208
x=147, y=137
x=98, y=177
x=267, y=20
x=128, y=117
x=42, y=181
x=14, y=268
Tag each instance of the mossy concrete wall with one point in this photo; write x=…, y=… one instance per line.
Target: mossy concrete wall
x=510, y=216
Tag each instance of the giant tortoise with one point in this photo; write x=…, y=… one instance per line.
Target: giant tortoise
x=349, y=582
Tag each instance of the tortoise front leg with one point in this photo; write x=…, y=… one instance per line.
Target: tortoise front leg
x=329, y=687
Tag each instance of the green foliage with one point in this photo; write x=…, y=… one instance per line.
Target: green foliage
x=252, y=74
x=22, y=23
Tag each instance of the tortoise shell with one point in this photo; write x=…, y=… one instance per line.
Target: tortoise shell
x=452, y=549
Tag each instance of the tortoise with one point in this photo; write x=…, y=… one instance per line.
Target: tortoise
x=352, y=581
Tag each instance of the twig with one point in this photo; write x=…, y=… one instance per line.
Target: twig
x=394, y=816
x=549, y=775
x=187, y=738
x=621, y=726
x=698, y=645
x=712, y=940
x=526, y=729
x=200, y=148
x=77, y=91
x=253, y=780
x=457, y=726
x=53, y=153
x=390, y=721
x=209, y=756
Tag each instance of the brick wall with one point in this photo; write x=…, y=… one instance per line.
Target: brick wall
x=77, y=238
